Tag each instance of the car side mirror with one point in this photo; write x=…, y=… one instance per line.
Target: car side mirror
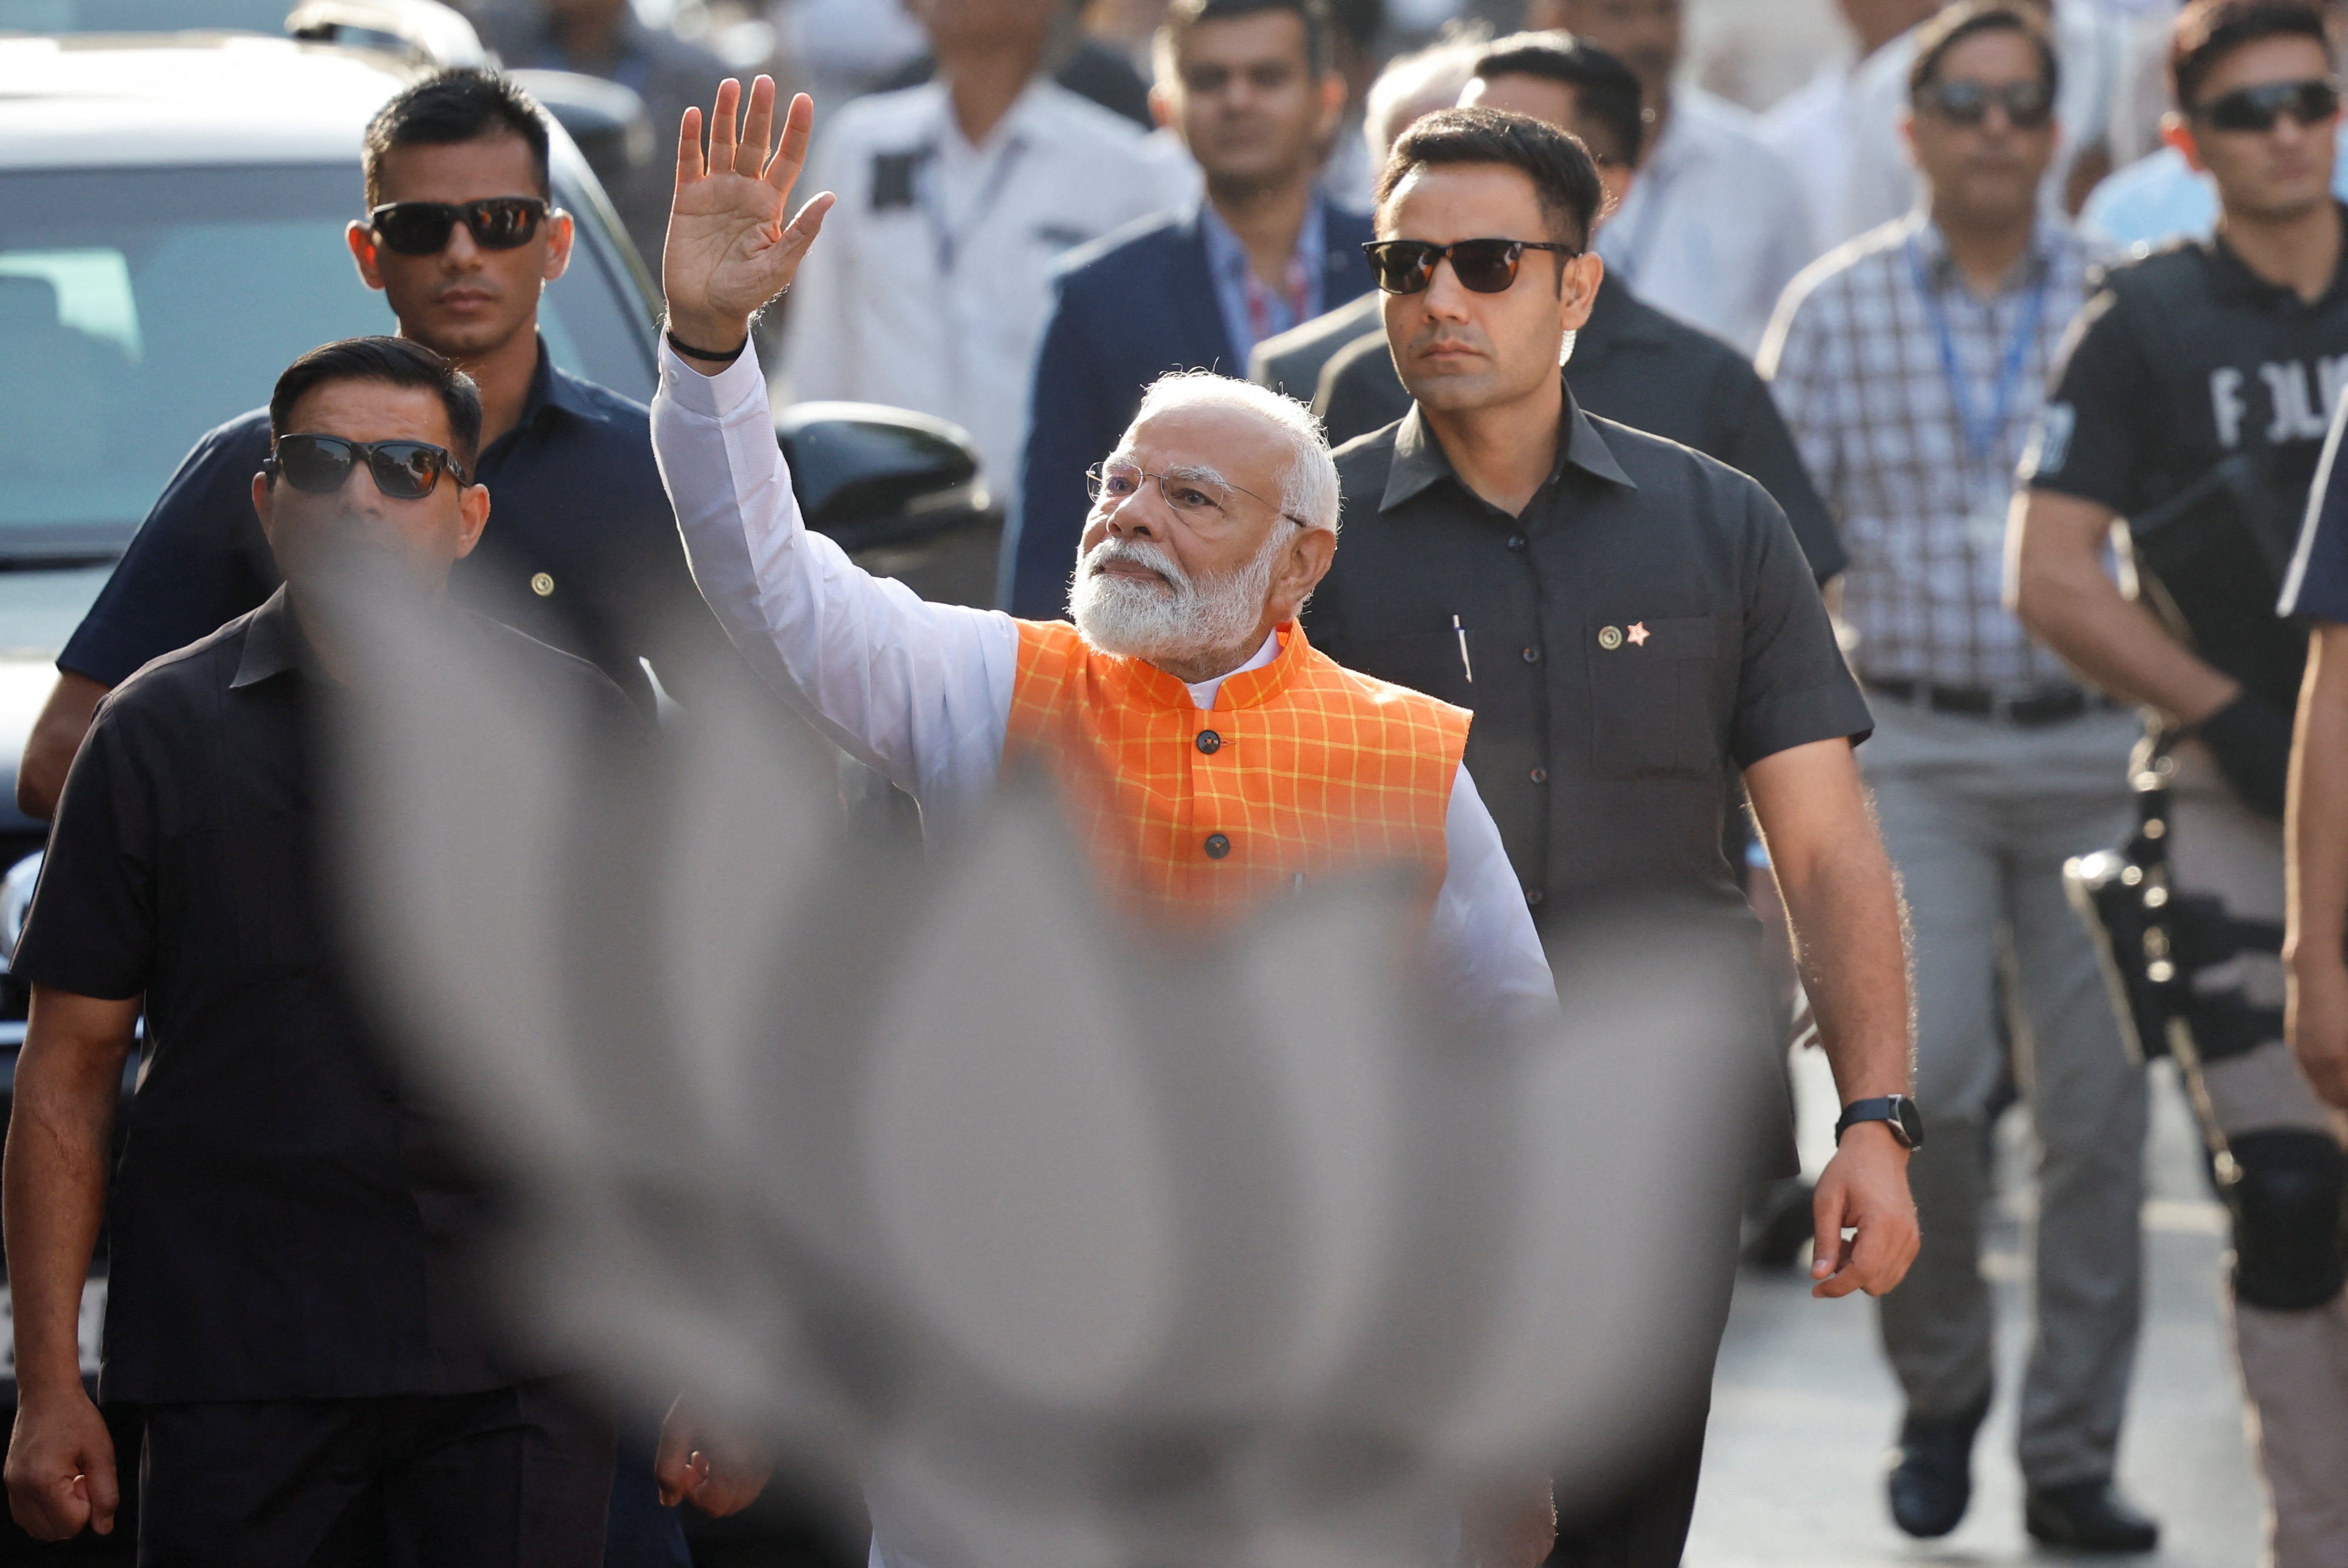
x=900, y=491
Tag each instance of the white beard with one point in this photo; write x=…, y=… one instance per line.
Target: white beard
x=1177, y=623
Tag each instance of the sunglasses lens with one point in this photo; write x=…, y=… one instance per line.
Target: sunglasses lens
x=405, y=471
x=314, y=462
x=415, y=227
x=1403, y=266
x=1486, y=266
x=2257, y=108
x=2029, y=105
x=502, y=222
x=1961, y=103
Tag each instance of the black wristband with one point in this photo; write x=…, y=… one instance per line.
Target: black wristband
x=713, y=356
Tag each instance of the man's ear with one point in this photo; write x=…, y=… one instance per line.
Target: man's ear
x=361, y=240
x=1908, y=136
x=2178, y=132
x=264, y=497
x=1578, y=288
x=559, y=233
x=1332, y=106
x=473, y=506
x=1301, y=568
x=1161, y=108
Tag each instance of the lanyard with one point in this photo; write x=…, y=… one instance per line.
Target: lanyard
x=933, y=203
x=1982, y=433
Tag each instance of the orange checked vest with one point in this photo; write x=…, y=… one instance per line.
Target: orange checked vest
x=1301, y=769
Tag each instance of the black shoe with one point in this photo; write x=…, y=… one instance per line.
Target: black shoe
x=2089, y=1516
x=1933, y=1475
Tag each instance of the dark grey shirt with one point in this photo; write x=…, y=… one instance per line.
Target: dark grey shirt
x=1647, y=627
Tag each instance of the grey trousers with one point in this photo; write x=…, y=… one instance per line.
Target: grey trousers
x=1978, y=817
x=2294, y=1365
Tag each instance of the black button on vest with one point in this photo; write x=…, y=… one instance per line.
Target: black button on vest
x=1217, y=847
x=1209, y=741
x=1515, y=541
x=1540, y=776
x=1532, y=655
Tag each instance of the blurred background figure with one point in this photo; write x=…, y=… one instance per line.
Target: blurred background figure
x=606, y=38
x=1252, y=87
x=1091, y=68
x=1412, y=85
x=2092, y=38
x=1911, y=365
x=845, y=47
x=2162, y=197
x=1349, y=170
x=956, y=196
x=1815, y=128
x=1717, y=225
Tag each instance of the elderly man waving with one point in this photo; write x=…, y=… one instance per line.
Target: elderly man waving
x=1215, y=758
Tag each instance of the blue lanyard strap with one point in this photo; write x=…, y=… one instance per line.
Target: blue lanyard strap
x=1984, y=431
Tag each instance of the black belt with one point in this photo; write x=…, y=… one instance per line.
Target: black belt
x=2048, y=705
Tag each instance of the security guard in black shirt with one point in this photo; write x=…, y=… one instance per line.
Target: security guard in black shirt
x=2193, y=404
x=1630, y=361
x=290, y=1305
x=1630, y=622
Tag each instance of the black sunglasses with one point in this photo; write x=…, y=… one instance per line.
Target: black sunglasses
x=2028, y=106
x=422, y=228
x=1482, y=266
x=2257, y=108
x=403, y=470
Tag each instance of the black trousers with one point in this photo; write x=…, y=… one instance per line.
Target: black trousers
x=1642, y=1524
x=513, y=1478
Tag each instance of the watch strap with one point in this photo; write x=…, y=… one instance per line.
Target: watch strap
x=1897, y=1111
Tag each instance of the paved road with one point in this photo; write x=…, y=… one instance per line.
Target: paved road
x=1804, y=1408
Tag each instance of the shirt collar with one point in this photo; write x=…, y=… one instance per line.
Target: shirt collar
x=273, y=644
x=1015, y=122
x=1419, y=459
x=2232, y=278
x=2047, y=241
x=1228, y=256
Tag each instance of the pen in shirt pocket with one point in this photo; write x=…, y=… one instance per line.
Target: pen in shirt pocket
x=1465, y=668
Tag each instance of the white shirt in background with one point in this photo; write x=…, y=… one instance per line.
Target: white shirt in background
x=931, y=284
x=1716, y=225
x=1813, y=129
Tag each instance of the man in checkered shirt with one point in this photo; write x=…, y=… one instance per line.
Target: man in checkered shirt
x=1911, y=364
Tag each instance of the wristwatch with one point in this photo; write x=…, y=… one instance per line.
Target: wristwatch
x=1907, y=1123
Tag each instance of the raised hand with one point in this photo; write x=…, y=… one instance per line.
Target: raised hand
x=729, y=250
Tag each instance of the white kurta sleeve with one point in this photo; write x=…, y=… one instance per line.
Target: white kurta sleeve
x=1480, y=939
x=921, y=692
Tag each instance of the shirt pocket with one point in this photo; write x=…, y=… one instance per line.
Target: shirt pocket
x=1431, y=663
x=1650, y=697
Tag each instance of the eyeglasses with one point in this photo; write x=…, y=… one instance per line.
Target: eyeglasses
x=1185, y=490
x=1482, y=266
x=321, y=465
x=2028, y=106
x=2257, y=108
x=422, y=228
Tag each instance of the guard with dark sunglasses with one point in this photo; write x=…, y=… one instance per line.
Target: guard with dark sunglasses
x=293, y=1307
x=1633, y=623
x=2194, y=405
x=460, y=237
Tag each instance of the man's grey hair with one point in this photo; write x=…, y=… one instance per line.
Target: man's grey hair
x=1308, y=490
x=1419, y=83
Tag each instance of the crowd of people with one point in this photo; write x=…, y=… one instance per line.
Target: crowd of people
x=1980, y=402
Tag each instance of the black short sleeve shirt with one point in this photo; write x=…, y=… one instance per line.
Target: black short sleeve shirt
x=582, y=551
x=2193, y=399
x=1646, y=627
x=286, y=1219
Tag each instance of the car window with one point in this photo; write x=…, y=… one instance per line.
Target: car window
x=142, y=15
x=138, y=308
